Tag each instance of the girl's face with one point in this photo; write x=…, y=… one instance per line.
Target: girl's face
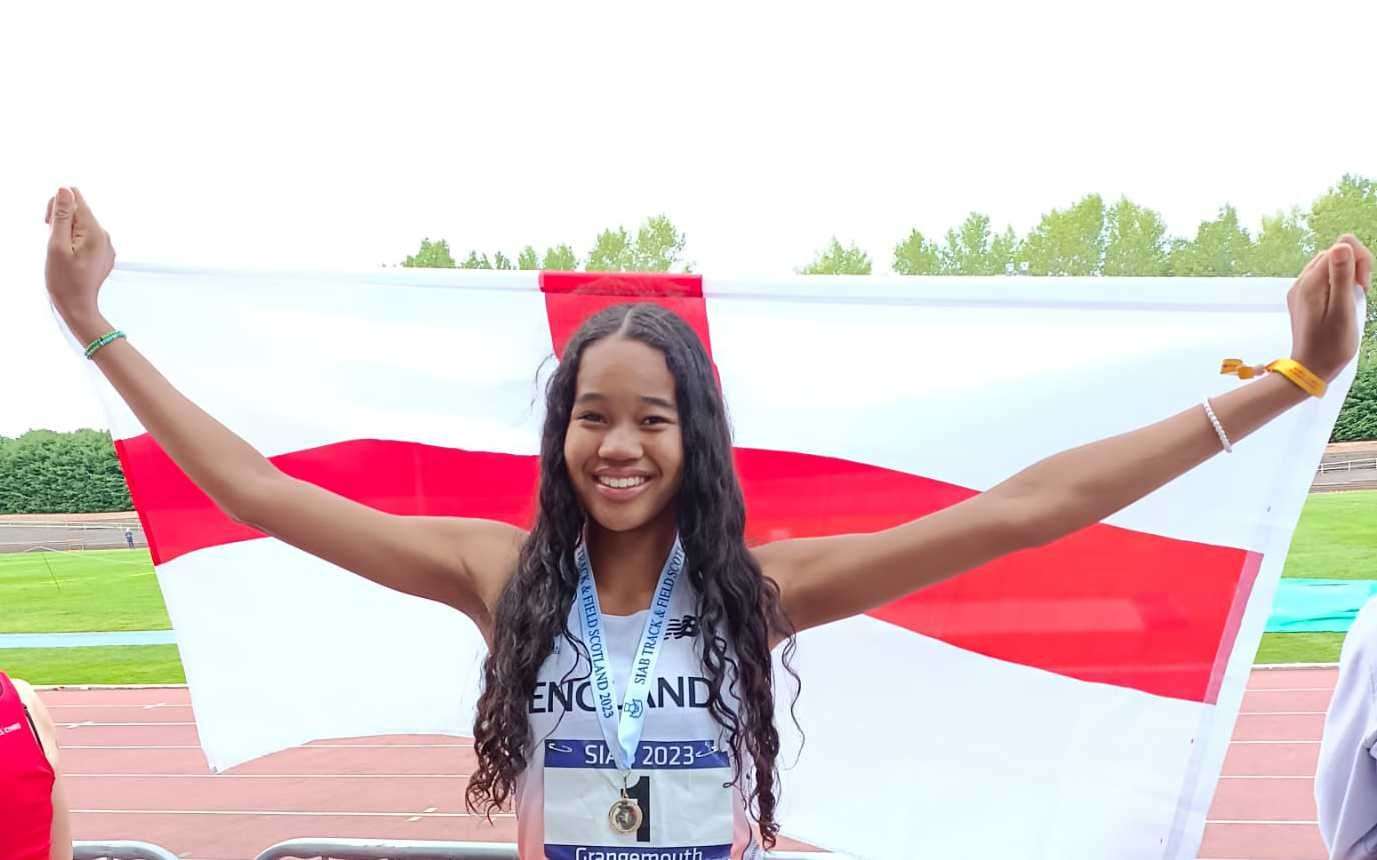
x=623, y=448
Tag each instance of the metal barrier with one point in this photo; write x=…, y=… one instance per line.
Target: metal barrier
x=1348, y=465
x=388, y=849
x=406, y=849
x=22, y=534
x=120, y=850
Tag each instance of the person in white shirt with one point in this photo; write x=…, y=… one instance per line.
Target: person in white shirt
x=1346, y=779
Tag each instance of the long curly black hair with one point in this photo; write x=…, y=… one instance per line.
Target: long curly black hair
x=738, y=607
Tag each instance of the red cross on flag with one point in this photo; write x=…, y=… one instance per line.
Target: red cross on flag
x=1071, y=701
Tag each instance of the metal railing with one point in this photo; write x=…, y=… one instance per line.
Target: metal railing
x=18, y=535
x=1348, y=465
x=387, y=849
x=407, y=849
x=120, y=850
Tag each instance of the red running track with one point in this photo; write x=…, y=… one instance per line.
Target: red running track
x=135, y=771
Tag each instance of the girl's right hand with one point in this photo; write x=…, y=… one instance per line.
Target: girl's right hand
x=80, y=255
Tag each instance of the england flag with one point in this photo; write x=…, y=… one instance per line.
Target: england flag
x=1073, y=701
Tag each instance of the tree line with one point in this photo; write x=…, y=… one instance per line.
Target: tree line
x=656, y=246
x=1088, y=237
x=45, y=472
x=1091, y=237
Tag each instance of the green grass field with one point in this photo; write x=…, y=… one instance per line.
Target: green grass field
x=117, y=590
x=123, y=664
x=71, y=592
x=1336, y=537
x=1299, y=648
x=68, y=592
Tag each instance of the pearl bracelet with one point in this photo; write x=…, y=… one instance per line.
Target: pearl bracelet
x=1218, y=428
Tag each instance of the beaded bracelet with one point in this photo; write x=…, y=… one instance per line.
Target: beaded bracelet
x=103, y=340
x=1218, y=428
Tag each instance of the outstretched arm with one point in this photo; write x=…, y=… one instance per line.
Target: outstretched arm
x=825, y=579
x=460, y=562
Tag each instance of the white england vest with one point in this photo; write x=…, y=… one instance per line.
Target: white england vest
x=681, y=769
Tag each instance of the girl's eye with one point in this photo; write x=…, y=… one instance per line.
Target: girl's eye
x=588, y=416
x=655, y=419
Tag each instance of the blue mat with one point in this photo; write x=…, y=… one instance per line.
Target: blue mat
x=87, y=640
x=1318, y=605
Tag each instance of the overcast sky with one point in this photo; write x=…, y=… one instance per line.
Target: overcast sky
x=299, y=134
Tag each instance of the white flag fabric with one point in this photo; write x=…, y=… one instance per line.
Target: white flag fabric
x=1074, y=701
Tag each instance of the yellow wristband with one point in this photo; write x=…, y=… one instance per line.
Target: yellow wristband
x=1236, y=367
x=1293, y=370
x=1299, y=374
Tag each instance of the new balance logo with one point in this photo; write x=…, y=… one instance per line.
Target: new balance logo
x=682, y=628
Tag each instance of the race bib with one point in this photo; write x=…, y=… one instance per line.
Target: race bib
x=682, y=788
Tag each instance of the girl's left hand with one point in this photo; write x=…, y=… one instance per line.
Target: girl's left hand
x=1324, y=316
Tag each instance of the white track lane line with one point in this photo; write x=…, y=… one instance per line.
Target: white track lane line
x=120, y=707
x=1251, y=821
x=93, y=724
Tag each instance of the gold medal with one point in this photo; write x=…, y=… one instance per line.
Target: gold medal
x=625, y=815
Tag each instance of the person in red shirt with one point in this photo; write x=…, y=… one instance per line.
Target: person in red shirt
x=34, y=821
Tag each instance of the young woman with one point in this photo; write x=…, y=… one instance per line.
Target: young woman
x=671, y=742
x=34, y=821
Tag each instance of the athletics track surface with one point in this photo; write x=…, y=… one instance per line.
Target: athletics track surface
x=136, y=772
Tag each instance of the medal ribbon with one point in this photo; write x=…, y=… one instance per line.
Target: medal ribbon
x=624, y=736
